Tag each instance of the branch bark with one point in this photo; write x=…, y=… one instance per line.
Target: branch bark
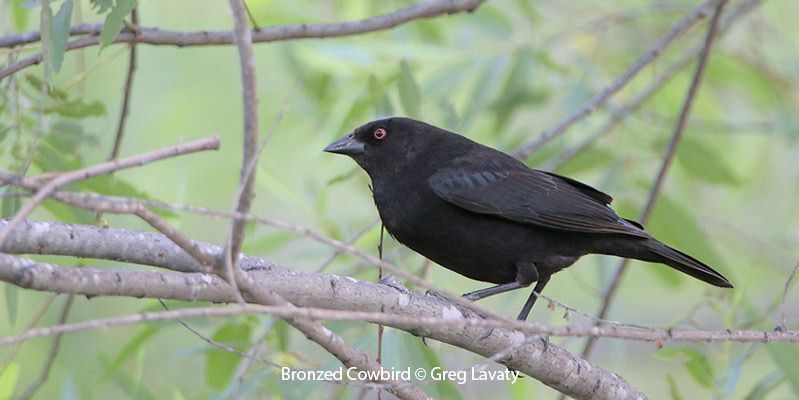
x=548, y=363
x=155, y=36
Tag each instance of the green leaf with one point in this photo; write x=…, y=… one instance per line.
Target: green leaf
x=220, y=364
x=130, y=385
x=380, y=100
x=785, y=356
x=765, y=385
x=77, y=108
x=696, y=363
x=481, y=93
x=402, y=349
x=20, y=15
x=446, y=389
x=699, y=367
x=10, y=205
x=12, y=304
x=409, y=93
x=515, y=92
x=279, y=336
x=130, y=349
x=45, y=18
x=60, y=34
x=674, y=388
x=68, y=136
x=113, y=22
x=8, y=381
x=69, y=391
x=102, y=6
x=705, y=162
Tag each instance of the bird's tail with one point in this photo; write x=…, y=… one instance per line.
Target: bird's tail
x=654, y=251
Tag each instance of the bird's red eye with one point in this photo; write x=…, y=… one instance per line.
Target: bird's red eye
x=380, y=133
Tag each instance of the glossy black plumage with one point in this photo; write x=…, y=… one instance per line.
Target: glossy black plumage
x=486, y=215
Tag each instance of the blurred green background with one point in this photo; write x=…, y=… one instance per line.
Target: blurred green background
x=499, y=75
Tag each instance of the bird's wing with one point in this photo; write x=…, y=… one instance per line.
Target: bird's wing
x=532, y=197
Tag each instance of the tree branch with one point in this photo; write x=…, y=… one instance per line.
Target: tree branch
x=548, y=363
x=244, y=194
x=665, y=77
x=668, y=156
x=661, y=336
x=155, y=36
x=126, y=91
x=602, y=97
x=210, y=143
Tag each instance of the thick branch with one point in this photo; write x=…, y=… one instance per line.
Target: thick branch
x=548, y=363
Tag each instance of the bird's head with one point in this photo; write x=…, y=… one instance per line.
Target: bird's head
x=388, y=144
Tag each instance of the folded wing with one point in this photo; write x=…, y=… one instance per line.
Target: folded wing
x=533, y=197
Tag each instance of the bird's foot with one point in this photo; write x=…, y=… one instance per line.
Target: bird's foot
x=436, y=295
x=392, y=282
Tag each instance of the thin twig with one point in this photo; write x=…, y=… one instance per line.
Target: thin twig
x=179, y=238
x=155, y=36
x=126, y=92
x=380, y=328
x=528, y=327
x=210, y=143
x=618, y=84
x=246, y=363
x=668, y=156
x=653, y=87
x=354, y=238
x=784, y=313
x=34, y=320
x=219, y=345
x=52, y=354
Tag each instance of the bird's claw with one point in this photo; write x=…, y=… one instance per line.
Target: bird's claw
x=392, y=282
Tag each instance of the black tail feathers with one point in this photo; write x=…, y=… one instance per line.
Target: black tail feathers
x=654, y=251
x=685, y=263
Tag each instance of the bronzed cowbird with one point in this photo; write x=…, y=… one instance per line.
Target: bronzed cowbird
x=489, y=217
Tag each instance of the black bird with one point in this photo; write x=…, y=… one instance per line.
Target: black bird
x=489, y=217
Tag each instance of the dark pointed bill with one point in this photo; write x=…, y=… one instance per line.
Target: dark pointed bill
x=346, y=145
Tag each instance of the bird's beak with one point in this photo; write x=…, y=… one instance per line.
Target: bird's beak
x=347, y=145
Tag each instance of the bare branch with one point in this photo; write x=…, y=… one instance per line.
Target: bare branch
x=531, y=328
x=547, y=363
x=784, y=313
x=126, y=91
x=243, y=200
x=155, y=36
x=653, y=87
x=210, y=143
x=618, y=84
x=668, y=156
x=126, y=205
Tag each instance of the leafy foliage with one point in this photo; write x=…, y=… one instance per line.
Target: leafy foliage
x=499, y=75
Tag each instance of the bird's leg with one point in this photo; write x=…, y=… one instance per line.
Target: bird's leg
x=526, y=274
x=490, y=291
x=539, y=287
